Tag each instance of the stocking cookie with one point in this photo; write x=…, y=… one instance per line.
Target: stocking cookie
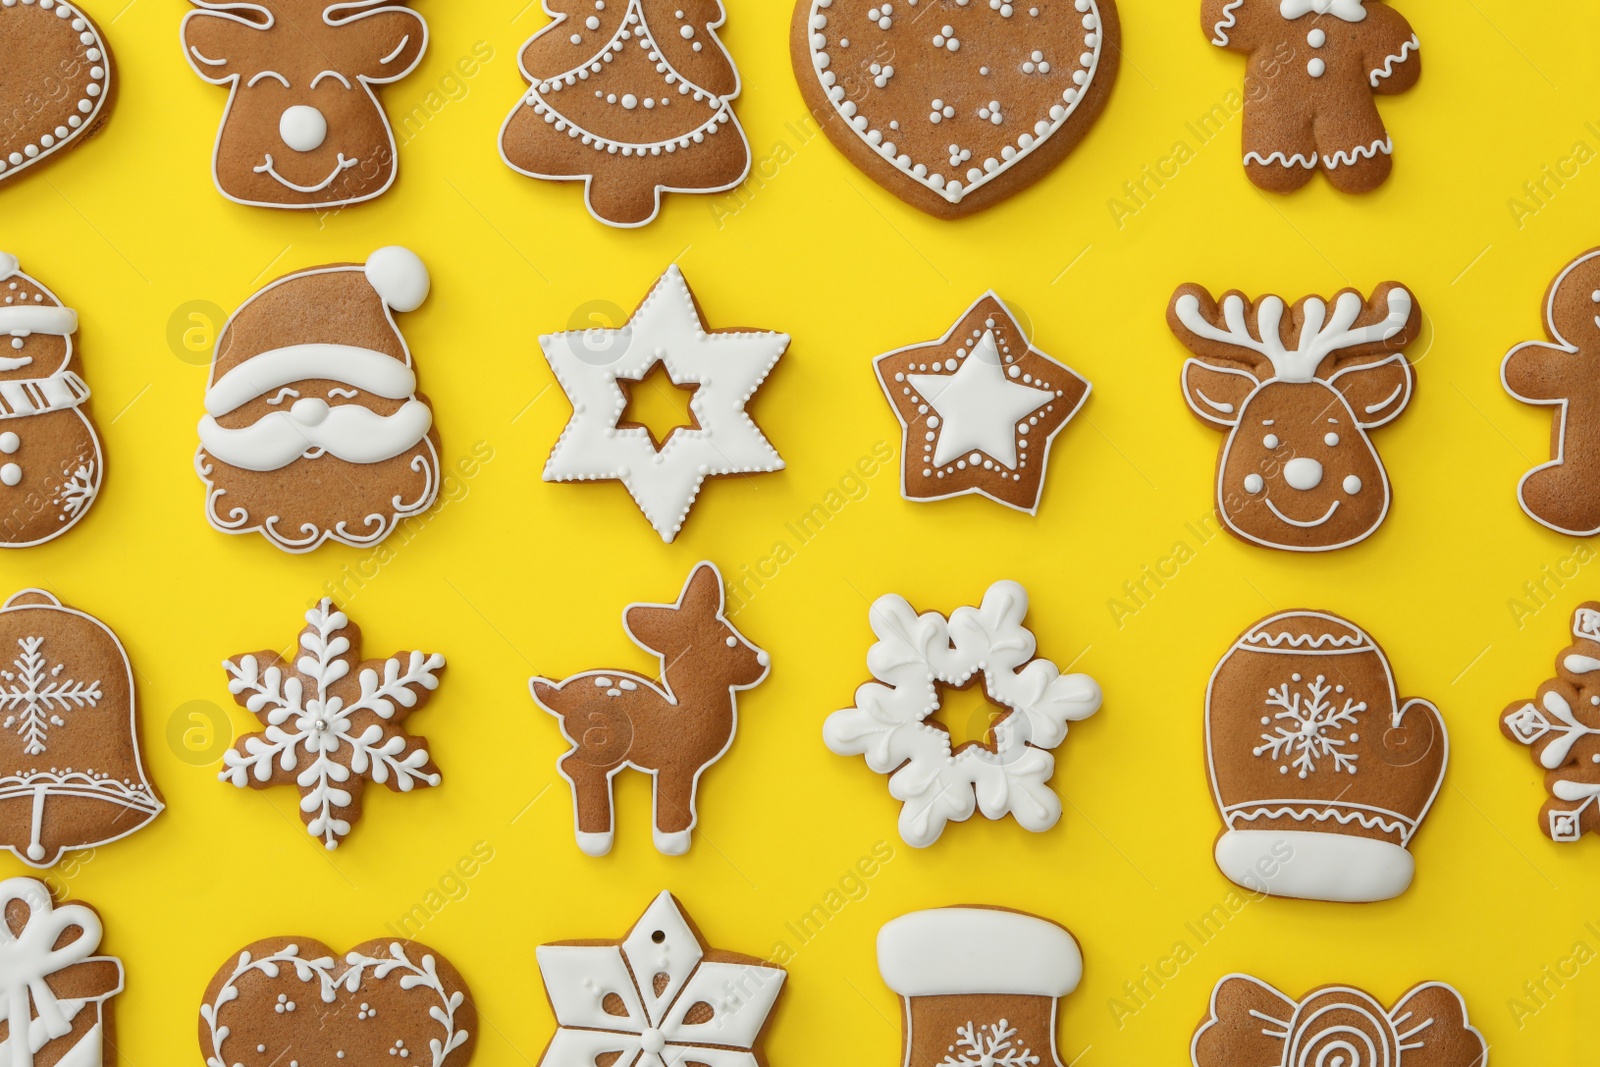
x=633, y=98
x=314, y=430
x=1326, y=59
x=291, y=1000
x=1296, y=389
x=55, y=83
x=671, y=731
x=303, y=127
x=952, y=106
x=58, y=990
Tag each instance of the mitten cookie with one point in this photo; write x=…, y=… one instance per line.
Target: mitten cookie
x=1296, y=389
x=1324, y=60
x=55, y=82
x=58, y=990
x=293, y=1000
x=303, y=127
x=955, y=106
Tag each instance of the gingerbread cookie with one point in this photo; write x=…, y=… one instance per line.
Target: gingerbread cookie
x=314, y=430
x=1325, y=60
x=1335, y=1026
x=1296, y=389
x=895, y=726
x=55, y=83
x=633, y=98
x=292, y=1000
x=980, y=408
x=303, y=127
x=658, y=996
x=952, y=106
x=1321, y=773
x=980, y=986
x=1562, y=727
x=333, y=721
x=57, y=990
x=723, y=368
x=672, y=731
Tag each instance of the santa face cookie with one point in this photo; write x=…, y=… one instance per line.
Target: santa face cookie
x=1320, y=112
x=1296, y=389
x=55, y=83
x=294, y=1000
x=953, y=106
x=51, y=464
x=58, y=990
x=303, y=127
x=314, y=430
x=633, y=98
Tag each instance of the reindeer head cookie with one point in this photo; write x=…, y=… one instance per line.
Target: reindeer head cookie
x=303, y=128
x=1296, y=389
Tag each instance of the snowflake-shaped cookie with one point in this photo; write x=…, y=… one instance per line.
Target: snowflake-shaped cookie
x=332, y=721
x=914, y=656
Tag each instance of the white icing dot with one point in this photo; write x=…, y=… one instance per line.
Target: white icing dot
x=1253, y=483
x=1270, y=441
x=1352, y=485
x=1316, y=68
x=1331, y=440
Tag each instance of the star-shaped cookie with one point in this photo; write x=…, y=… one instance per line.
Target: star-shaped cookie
x=980, y=407
x=725, y=368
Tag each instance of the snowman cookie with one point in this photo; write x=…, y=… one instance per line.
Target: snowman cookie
x=55, y=82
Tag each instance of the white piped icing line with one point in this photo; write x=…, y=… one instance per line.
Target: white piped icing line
x=87, y=108
x=1219, y=32
x=1389, y=63
x=1349, y=159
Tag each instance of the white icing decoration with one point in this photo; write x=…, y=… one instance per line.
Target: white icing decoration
x=988, y=1045
x=980, y=408
x=977, y=951
x=1348, y=10
x=374, y=372
x=1305, y=724
x=34, y=696
x=19, y=321
x=1390, y=62
x=312, y=428
x=28, y=959
x=303, y=128
x=85, y=112
x=400, y=277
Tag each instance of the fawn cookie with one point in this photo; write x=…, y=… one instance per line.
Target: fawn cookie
x=1561, y=726
x=333, y=721
x=633, y=98
x=671, y=731
x=1252, y=1023
x=294, y=1000
x=314, y=430
x=51, y=463
x=71, y=773
x=895, y=723
x=1325, y=60
x=1296, y=389
x=1321, y=773
x=721, y=368
x=952, y=106
x=55, y=83
x=58, y=990
x=657, y=996
x=980, y=986
x=980, y=408
x=303, y=127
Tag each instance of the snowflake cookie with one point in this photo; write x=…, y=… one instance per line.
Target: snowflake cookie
x=292, y=1000
x=894, y=726
x=658, y=996
x=332, y=722
x=58, y=990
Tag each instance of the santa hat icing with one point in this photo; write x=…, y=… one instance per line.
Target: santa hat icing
x=8, y=265
x=949, y=951
x=24, y=320
x=399, y=276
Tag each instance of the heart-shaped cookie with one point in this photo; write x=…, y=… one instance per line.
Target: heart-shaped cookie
x=292, y=1002
x=55, y=81
x=954, y=105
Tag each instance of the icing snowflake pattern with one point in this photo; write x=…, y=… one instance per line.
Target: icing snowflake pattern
x=1306, y=727
x=988, y=1046
x=34, y=696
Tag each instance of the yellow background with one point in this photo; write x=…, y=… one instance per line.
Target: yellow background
x=516, y=576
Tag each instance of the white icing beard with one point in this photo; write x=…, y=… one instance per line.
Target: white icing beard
x=311, y=428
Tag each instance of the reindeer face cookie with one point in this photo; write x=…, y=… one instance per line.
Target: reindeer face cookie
x=303, y=127
x=1296, y=390
x=55, y=82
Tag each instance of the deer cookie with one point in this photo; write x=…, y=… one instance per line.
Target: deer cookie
x=1296, y=389
x=55, y=83
x=671, y=731
x=1325, y=60
x=56, y=989
x=303, y=127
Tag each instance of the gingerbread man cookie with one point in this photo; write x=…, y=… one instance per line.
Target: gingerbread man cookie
x=1325, y=59
x=55, y=81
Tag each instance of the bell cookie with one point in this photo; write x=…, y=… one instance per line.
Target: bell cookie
x=723, y=368
x=1296, y=389
x=57, y=990
x=633, y=98
x=1325, y=60
x=671, y=731
x=303, y=128
x=333, y=721
x=980, y=408
x=55, y=84
x=314, y=430
x=1252, y=1023
x=293, y=1000
x=894, y=723
x=657, y=996
x=951, y=106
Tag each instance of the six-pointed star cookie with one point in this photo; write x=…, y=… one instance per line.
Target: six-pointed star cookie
x=980, y=407
x=724, y=367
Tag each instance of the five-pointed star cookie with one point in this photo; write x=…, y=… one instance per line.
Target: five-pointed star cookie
x=980, y=407
x=725, y=368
